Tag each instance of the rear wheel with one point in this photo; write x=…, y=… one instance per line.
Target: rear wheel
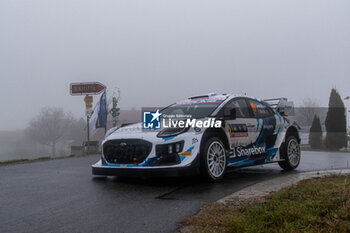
x=213, y=159
x=290, y=153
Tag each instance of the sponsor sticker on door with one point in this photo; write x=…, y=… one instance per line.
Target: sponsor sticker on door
x=238, y=130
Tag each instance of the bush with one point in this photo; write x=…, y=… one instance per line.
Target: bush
x=336, y=123
x=315, y=136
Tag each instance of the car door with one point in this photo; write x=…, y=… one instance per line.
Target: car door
x=240, y=130
x=266, y=125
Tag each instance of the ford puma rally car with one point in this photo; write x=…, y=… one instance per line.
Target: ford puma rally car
x=206, y=134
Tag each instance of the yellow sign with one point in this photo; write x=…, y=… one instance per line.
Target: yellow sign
x=88, y=101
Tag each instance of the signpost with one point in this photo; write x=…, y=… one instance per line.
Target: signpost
x=91, y=88
x=87, y=89
x=88, y=111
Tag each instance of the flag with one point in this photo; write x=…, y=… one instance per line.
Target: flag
x=99, y=116
x=102, y=113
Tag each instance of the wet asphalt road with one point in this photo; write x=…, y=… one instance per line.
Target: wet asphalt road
x=62, y=195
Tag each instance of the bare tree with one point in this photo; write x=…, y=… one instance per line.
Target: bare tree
x=77, y=131
x=305, y=113
x=50, y=127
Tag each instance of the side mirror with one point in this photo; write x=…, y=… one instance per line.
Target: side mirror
x=229, y=114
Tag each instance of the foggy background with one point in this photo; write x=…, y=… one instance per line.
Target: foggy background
x=157, y=52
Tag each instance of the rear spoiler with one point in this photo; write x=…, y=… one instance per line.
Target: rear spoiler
x=281, y=105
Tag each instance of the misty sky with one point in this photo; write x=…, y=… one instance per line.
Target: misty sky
x=158, y=52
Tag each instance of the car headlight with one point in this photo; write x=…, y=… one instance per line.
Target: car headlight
x=169, y=149
x=170, y=132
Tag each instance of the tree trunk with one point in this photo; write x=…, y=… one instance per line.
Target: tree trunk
x=53, y=149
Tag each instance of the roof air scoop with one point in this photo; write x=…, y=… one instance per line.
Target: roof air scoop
x=204, y=96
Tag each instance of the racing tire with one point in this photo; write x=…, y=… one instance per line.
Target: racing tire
x=213, y=162
x=290, y=153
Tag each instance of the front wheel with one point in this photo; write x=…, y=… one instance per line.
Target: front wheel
x=213, y=159
x=290, y=153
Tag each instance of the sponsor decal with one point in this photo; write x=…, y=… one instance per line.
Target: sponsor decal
x=194, y=140
x=238, y=130
x=269, y=127
x=241, y=151
x=253, y=107
x=198, y=130
x=186, y=153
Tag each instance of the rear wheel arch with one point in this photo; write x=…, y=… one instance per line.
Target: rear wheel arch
x=291, y=135
x=292, y=131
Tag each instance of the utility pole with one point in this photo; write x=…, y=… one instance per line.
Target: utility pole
x=88, y=111
x=347, y=113
x=347, y=98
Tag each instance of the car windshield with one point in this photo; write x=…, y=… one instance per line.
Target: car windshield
x=190, y=110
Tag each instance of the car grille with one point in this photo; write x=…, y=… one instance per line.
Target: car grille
x=126, y=151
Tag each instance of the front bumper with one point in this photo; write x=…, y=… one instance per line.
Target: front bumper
x=104, y=170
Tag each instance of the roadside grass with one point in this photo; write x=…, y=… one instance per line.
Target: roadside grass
x=16, y=161
x=316, y=205
x=7, y=162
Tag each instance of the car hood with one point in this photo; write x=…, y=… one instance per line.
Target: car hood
x=131, y=131
x=136, y=131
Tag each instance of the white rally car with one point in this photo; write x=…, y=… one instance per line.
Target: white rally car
x=233, y=131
